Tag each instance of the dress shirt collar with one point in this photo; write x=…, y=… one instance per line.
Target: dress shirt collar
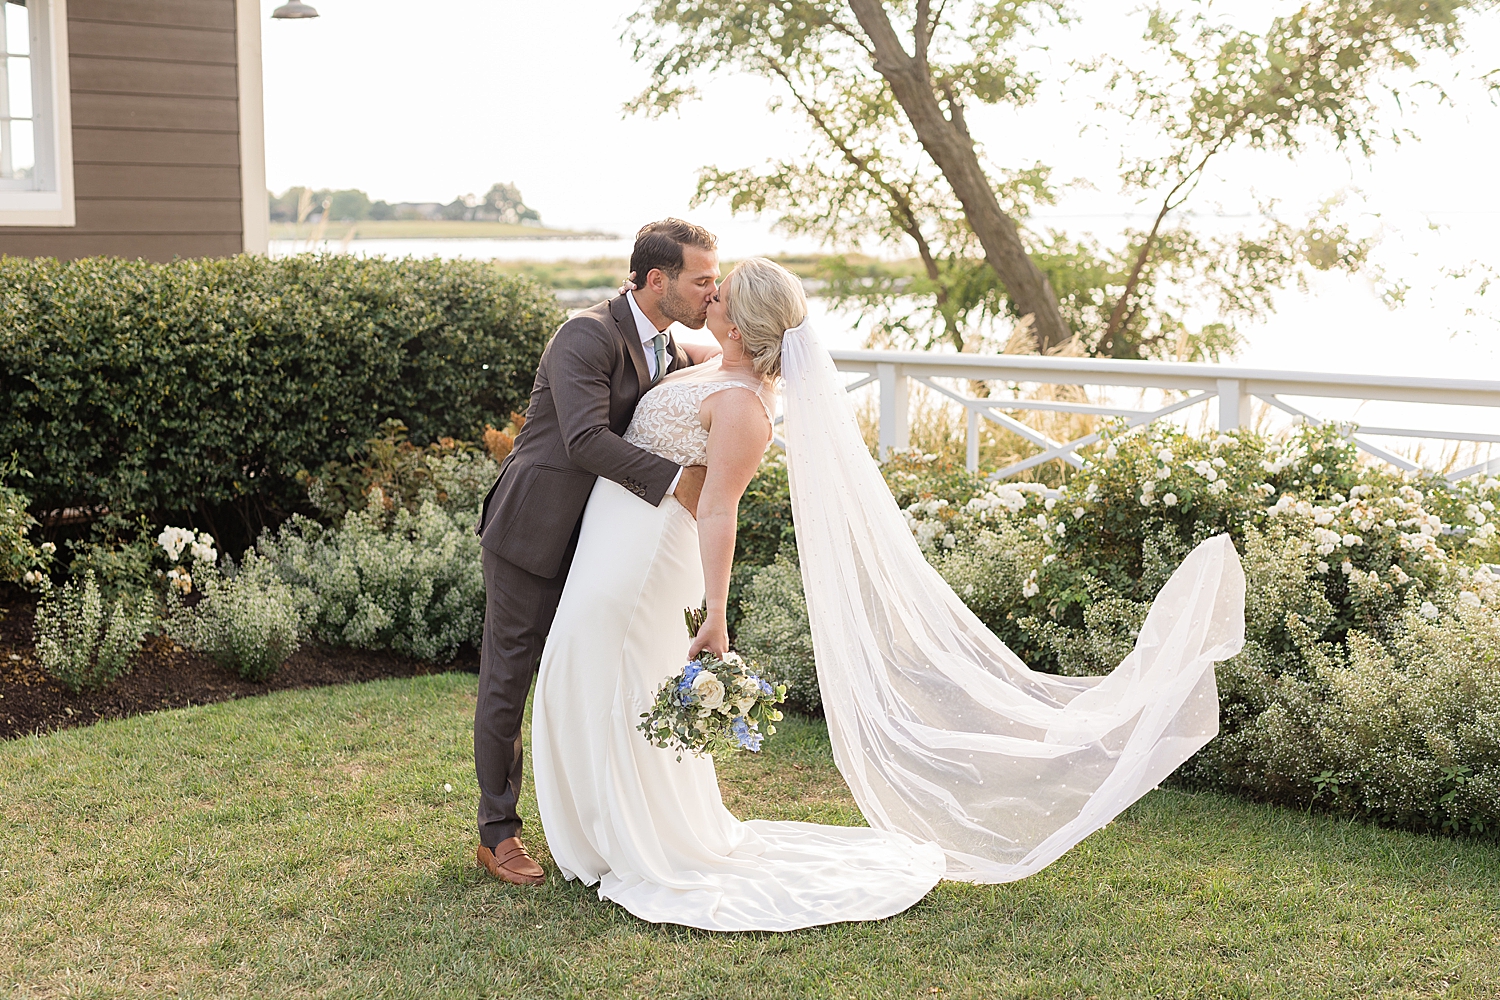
x=644, y=326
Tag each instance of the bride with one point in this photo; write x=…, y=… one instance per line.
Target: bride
x=966, y=764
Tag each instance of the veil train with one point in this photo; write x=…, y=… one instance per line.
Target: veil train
x=941, y=732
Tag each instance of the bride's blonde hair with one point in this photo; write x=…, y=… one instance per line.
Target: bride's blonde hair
x=764, y=301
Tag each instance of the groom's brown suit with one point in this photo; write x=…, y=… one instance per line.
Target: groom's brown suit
x=591, y=376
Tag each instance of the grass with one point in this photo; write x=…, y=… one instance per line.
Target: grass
x=303, y=844
x=420, y=229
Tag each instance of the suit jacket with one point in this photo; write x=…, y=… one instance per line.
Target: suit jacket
x=592, y=375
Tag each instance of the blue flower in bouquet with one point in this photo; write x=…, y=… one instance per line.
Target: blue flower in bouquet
x=685, y=685
x=748, y=739
x=714, y=704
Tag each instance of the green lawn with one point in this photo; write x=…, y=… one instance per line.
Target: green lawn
x=303, y=844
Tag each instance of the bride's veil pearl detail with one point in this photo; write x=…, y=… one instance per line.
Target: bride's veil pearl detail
x=941, y=732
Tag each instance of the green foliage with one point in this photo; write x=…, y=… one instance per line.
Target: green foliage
x=775, y=635
x=201, y=383
x=765, y=516
x=120, y=553
x=456, y=473
x=298, y=204
x=1322, y=72
x=502, y=203
x=1370, y=679
x=84, y=641
x=21, y=560
x=765, y=527
x=386, y=578
x=248, y=622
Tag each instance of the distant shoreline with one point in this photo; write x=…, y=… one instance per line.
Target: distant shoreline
x=426, y=229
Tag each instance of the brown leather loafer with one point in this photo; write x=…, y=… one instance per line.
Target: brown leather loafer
x=509, y=862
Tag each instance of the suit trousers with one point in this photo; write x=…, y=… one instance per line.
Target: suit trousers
x=519, y=607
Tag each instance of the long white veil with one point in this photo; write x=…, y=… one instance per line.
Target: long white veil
x=941, y=732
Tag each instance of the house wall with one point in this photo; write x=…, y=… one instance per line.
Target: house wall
x=156, y=133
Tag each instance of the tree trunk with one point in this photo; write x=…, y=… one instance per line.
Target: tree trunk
x=952, y=150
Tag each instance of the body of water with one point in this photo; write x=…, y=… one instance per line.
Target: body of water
x=1338, y=324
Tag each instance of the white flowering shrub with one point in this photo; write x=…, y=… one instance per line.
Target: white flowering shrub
x=248, y=622
x=1369, y=673
x=773, y=632
x=407, y=581
x=84, y=641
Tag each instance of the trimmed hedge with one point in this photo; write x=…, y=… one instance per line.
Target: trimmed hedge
x=198, y=383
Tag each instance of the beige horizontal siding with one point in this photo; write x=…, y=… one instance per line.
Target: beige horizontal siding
x=143, y=146
x=152, y=78
x=150, y=246
x=156, y=163
x=171, y=13
x=160, y=183
x=149, y=41
x=189, y=114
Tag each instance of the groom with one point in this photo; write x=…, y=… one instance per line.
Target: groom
x=591, y=376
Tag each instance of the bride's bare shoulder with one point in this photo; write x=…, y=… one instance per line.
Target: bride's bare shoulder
x=738, y=402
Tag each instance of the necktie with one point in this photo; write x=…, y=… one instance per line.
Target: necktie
x=659, y=345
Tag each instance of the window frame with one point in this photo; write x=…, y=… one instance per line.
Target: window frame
x=52, y=128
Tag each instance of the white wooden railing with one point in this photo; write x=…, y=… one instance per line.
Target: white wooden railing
x=1235, y=389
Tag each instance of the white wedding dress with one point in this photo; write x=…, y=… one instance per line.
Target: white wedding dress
x=650, y=829
x=966, y=763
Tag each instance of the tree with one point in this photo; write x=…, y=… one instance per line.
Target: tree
x=884, y=89
x=502, y=203
x=505, y=201
x=348, y=205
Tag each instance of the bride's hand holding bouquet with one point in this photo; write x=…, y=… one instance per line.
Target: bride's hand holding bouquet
x=717, y=703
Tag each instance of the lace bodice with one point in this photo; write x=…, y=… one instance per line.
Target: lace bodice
x=666, y=420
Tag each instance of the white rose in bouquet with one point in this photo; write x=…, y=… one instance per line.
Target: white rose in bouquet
x=709, y=689
x=747, y=693
x=713, y=704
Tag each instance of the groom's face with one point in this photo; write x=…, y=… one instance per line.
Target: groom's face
x=685, y=299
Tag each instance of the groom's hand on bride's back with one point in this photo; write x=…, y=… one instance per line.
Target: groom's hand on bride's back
x=690, y=487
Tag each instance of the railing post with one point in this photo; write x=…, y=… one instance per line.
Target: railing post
x=1234, y=405
x=971, y=454
x=894, y=429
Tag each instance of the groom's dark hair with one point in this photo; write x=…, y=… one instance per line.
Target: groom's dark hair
x=658, y=245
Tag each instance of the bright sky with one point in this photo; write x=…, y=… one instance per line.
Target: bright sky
x=416, y=101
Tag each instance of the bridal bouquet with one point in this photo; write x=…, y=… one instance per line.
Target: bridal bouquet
x=713, y=705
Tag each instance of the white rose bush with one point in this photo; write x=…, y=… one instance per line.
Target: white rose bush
x=1370, y=680
x=713, y=705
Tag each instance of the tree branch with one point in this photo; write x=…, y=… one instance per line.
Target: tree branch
x=1119, y=317
x=904, y=215
x=952, y=150
x=924, y=27
x=955, y=108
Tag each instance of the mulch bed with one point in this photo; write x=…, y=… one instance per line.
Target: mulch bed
x=167, y=676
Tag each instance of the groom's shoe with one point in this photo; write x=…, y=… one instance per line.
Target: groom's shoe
x=509, y=862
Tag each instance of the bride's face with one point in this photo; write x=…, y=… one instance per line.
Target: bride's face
x=718, y=312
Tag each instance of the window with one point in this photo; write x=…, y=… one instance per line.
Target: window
x=36, y=168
